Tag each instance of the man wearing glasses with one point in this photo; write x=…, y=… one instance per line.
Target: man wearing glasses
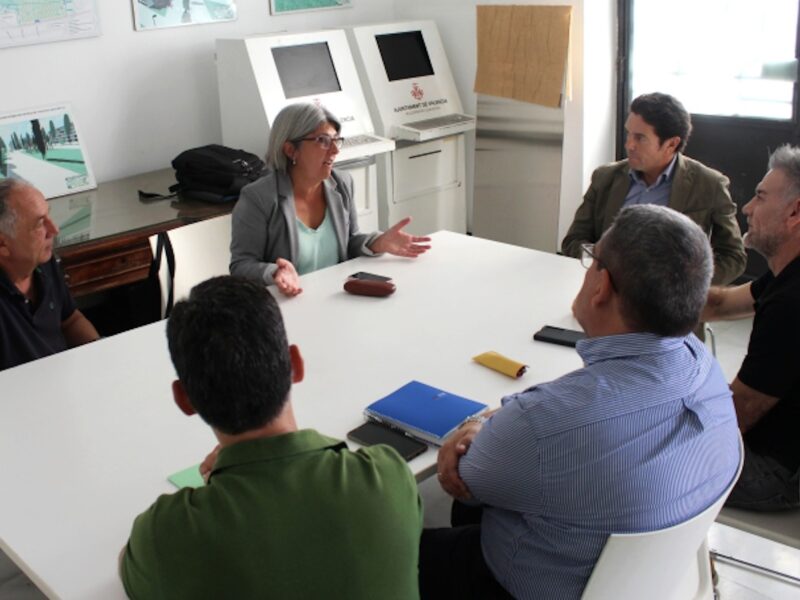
x=643, y=437
x=656, y=172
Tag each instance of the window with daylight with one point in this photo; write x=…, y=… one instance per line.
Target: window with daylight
x=720, y=57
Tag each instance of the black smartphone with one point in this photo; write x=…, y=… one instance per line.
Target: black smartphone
x=371, y=433
x=369, y=276
x=558, y=335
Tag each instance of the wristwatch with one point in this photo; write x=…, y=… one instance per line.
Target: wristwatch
x=474, y=419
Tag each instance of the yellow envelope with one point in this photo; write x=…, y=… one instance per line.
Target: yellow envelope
x=501, y=363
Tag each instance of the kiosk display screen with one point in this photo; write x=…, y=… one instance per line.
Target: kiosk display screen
x=306, y=69
x=404, y=55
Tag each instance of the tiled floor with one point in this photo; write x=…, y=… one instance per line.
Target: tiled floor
x=14, y=585
x=739, y=582
x=731, y=343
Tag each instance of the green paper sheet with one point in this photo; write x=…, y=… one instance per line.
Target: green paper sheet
x=189, y=477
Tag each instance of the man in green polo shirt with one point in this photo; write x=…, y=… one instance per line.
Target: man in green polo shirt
x=285, y=513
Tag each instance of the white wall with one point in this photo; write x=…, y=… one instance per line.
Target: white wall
x=588, y=115
x=599, y=104
x=140, y=98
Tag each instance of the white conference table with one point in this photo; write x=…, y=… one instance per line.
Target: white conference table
x=88, y=436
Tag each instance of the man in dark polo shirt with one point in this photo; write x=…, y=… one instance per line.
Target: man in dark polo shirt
x=766, y=392
x=37, y=315
x=285, y=513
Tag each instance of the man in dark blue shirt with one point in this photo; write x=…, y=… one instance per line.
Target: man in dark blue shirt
x=37, y=314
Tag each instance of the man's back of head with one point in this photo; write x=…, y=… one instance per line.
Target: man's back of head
x=229, y=347
x=661, y=265
x=281, y=507
x=643, y=436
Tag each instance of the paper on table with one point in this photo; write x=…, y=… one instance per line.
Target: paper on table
x=189, y=477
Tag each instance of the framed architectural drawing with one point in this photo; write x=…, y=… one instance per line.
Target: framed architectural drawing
x=43, y=147
x=157, y=14
x=25, y=22
x=278, y=7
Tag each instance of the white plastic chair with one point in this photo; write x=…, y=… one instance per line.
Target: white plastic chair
x=711, y=339
x=667, y=564
x=202, y=250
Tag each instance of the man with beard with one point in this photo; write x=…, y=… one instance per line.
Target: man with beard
x=766, y=391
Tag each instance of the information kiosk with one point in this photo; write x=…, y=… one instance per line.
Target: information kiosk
x=260, y=75
x=413, y=99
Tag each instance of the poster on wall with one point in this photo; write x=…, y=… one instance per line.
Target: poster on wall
x=24, y=22
x=278, y=7
x=157, y=14
x=43, y=147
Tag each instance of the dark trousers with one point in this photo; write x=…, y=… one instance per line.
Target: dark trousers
x=451, y=563
x=765, y=485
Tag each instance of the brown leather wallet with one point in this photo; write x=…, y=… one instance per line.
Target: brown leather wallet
x=369, y=287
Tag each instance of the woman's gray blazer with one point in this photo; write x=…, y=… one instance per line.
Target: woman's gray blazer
x=264, y=224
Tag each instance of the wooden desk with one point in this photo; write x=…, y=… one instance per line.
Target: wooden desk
x=104, y=232
x=88, y=436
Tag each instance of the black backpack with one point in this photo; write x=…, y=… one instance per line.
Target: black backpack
x=214, y=173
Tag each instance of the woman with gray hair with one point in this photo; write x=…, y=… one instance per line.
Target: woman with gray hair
x=301, y=216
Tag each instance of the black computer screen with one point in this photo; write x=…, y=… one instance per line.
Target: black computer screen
x=306, y=69
x=404, y=55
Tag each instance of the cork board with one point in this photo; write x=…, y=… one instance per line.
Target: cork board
x=522, y=52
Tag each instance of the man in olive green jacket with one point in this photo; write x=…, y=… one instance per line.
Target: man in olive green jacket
x=656, y=172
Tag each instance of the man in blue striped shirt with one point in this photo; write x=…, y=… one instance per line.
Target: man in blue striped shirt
x=641, y=438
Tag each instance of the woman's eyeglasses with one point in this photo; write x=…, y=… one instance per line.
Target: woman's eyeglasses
x=323, y=140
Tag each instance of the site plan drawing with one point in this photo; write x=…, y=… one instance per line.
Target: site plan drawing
x=282, y=6
x=25, y=22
